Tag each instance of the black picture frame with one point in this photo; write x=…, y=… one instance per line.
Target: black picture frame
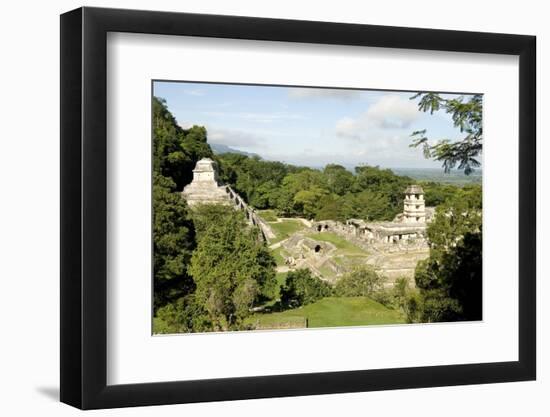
x=84, y=207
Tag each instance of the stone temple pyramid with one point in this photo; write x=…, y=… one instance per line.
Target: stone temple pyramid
x=205, y=187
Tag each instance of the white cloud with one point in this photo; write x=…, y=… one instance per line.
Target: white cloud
x=196, y=93
x=185, y=125
x=382, y=132
x=236, y=138
x=348, y=127
x=269, y=117
x=256, y=117
x=389, y=112
x=393, y=111
x=331, y=93
x=386, y=151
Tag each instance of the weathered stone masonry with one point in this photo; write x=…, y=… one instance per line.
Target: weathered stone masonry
x=408, y=227
x=205, y=188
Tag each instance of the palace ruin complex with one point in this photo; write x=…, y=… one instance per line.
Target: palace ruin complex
x=392, y=248
x=409, y=226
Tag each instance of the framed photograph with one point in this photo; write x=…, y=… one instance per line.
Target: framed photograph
x=257, y=208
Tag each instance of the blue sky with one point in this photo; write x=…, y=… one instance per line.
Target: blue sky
x=308, y=126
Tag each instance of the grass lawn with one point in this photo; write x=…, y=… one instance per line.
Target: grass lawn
x=333, y=312
x=285, y=228
x=268, y=215
x=344, y=247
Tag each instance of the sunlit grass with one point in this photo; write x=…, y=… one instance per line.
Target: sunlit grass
x=332, y=312
x=268, y=215
x=285, y=228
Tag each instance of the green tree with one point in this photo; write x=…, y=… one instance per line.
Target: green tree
x=413, y=307
x=309, y=201
x=338, y=179
x=361, y=282
x=257, y=181
x=333, y=193
x=450, y=280
x=467, y=116
x=302, y=288
x=184, y=315
x=383, y=193
x=265, y=195
x=371, y=205
x=436, y=193
x=231, y=266
x=173, y=242
x=400, y=292
x=331, y=208
x=176, y=150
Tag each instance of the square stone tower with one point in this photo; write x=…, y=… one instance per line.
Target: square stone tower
x=414, y=210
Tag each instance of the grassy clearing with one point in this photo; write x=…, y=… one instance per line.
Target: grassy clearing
x=285, y=228
x=268, y=215
x=289, y=322
x=333, y=312
x=344, y=247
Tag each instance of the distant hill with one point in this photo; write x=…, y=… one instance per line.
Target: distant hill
x=219, y=149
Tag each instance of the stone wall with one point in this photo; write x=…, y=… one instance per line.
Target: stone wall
x=206, y=189
x=251, y=215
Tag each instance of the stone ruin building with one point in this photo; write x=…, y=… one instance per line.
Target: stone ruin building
x=409, y=226
x=205, y=188
x=414, y=210
x=393, y=248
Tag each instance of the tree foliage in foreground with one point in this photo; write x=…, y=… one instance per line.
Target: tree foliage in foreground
x=184, y=315
x=302, y=288
x=467, y=116
x=173, y=243
x=361, y=282
x=231, y=266
x=175, y=153
x=450, y=280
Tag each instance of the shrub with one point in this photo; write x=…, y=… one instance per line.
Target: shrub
x=413, y=307
x=385, y=297
x=182, y=316
x=438, y=307
x=231, y=266
x=362, y=281
x=302, y=288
